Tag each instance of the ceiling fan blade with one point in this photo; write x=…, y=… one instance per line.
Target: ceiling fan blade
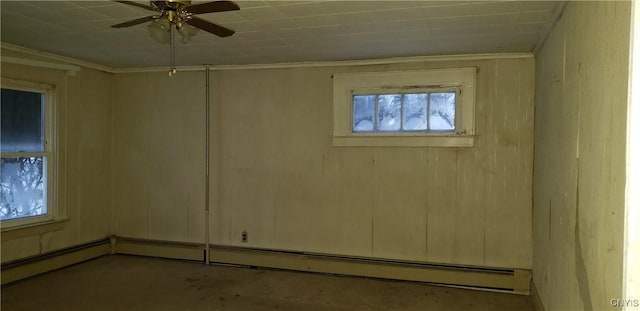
x=209, y=27
x=211, y=7
x=140, y=5
x=135, y=22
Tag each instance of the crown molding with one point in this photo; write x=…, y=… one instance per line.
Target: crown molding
x=70, y=69
x=56, y=57
x=362, y=62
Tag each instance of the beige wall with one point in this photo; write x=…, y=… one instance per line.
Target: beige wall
x=134, y=161
x=84, y=153
x=158, y=156
x=276, y=175
x=581, y=97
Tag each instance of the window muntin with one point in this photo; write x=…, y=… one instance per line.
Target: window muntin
x=414, y=111
x=26, y=168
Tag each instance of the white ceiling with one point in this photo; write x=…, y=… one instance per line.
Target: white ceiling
x=281, y=31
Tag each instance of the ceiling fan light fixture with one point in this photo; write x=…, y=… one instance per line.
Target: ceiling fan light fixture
x=160, y=30
x=187, y=31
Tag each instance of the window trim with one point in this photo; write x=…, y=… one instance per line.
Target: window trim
x=50, y=95
x=345, y=85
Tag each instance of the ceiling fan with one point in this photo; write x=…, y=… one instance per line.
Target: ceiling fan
x=180, y=12
x=179, y=15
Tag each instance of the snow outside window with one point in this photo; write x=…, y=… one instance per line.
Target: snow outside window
x=415, y=112
x=26, y=158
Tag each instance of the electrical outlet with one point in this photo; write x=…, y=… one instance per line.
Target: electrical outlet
x=245, y=236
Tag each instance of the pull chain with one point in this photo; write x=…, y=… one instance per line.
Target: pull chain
x=173, y=70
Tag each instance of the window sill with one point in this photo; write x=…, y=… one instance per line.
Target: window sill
x=21, y=231
x=458, y=141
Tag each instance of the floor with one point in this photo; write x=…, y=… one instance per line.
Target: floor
x=139, y=283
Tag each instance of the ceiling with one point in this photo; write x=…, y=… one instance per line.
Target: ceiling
x=281, y=31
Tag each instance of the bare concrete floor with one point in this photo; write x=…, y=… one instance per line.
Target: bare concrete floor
x=138, y=283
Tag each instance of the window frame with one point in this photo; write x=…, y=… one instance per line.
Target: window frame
x=49, y=152
x=462, y=80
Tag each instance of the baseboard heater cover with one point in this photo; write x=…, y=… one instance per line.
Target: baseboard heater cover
x=162, y=249
x=23, y=268
x=512, y=280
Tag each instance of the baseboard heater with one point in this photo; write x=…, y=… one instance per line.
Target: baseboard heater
x=511, y=280
x=23, y=268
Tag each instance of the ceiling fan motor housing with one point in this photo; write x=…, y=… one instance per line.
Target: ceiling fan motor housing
x=173, y=10
x=174, y=5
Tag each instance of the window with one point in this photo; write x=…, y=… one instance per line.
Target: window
x=406, y=108
x=27, y=161
x=405, y=112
